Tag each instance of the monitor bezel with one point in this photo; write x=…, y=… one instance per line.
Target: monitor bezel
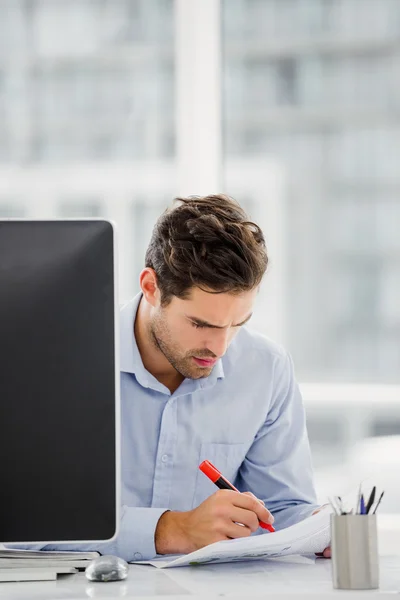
x=117, y=377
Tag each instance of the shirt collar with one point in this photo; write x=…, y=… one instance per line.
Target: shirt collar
x=131, y=361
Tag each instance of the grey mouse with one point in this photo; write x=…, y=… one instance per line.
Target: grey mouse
x=107, y=568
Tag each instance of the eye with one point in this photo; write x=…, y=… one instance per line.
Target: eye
x=197, y=326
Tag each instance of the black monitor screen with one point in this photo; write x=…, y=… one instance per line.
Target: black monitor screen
x=57, y=381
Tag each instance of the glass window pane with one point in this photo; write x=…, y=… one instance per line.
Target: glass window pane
x=310, y=98
x=87, y=109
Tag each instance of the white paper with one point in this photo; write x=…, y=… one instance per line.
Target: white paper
x=308, y=536
x=24, y=553
x=43, y=574
x=33, y=563
x=21, y=558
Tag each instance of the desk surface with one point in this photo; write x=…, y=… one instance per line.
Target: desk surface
x=292, y=575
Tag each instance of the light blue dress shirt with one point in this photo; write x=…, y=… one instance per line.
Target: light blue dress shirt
x=247, y=418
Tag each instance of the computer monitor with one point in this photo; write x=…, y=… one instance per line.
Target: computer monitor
x=59, y=381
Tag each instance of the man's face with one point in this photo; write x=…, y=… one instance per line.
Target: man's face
x=194, y=333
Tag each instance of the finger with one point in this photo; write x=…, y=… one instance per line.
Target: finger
x=234, y=531
x=253, y=496
x=327, y=552
x=251, y=503
x=246, y=517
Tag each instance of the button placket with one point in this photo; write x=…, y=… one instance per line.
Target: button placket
x=165, y=453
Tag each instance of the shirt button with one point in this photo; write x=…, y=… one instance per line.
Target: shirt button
x=137, y=556
x=164, y=457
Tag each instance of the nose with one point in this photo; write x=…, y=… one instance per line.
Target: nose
x=218, y=342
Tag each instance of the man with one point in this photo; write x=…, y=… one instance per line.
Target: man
x=196, y=384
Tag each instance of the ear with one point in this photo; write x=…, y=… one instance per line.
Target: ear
x=149, y=287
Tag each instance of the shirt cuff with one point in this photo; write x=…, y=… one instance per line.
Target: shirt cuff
x=135, y=540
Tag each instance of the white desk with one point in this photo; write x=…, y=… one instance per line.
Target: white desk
x=300, y=576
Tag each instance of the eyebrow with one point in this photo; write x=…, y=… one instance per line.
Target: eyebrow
x=211, y=326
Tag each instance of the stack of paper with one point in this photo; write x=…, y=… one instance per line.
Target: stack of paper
x=16, y=558
x=307, y=537
x=23, y=565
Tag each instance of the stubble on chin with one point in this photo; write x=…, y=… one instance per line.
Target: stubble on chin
x=184, y=366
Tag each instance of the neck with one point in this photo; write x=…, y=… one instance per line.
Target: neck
x=153, y=359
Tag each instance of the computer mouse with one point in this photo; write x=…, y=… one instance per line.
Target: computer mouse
x=107, y=568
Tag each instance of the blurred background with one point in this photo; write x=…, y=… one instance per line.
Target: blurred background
x=111, y=108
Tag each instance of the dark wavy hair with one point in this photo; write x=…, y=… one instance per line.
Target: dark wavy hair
x=207, y=242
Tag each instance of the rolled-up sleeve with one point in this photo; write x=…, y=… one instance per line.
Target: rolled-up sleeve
x=135, y=539
x=277, y=467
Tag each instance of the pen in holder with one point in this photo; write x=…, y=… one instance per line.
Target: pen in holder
x=354, y=551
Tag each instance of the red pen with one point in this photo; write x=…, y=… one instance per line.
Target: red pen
x=223, y=484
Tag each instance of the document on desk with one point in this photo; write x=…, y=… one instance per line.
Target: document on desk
x=21, y=558
x=306, y=537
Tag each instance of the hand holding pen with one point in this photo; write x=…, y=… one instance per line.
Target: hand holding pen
x=223, y=484
x=225, y=515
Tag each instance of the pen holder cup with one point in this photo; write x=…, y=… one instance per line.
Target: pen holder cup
x=354, y=548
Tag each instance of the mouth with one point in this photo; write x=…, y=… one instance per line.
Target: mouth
x=205, y=362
